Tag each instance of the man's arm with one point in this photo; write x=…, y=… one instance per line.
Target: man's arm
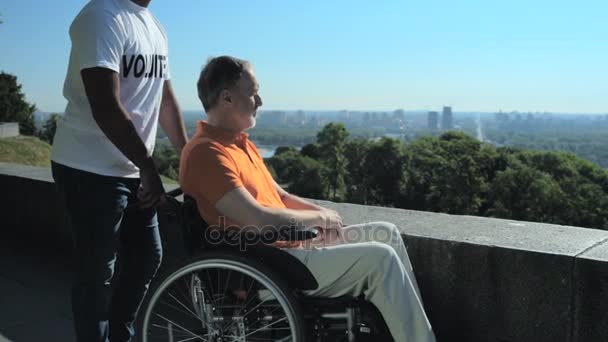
x=171, y=120
x=103, y=92
x=239, y=206
x=294, y=202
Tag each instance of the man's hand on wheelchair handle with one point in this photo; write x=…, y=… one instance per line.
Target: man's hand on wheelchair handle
x=151, y=191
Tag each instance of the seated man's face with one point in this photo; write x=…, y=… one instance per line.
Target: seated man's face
x=245, y=102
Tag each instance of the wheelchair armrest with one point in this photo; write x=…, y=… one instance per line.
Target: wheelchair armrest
x=295, y=234
x=237, y=237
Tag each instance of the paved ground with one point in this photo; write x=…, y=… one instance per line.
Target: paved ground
x=34, y=294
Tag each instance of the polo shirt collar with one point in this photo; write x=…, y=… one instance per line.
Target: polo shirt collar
x=203, y=128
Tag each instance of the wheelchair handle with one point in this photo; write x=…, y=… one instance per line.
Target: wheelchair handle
x=175, y=192
x=295, y=234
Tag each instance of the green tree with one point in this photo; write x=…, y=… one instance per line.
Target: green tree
x=582, y=186
x=448, y=174
x=282, y=164
x=47, y=133
x=523, y=193
x=332, y=140
x=463, y=183
x=423, y=159
x=284, y=149
x=309, y=182
x=13, y=107
x=311, y=150
x=384, y=172
x=301, y=175
x=166, y=159
x=357, y=182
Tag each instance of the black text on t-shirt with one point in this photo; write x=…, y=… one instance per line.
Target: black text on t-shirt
x=143, y=66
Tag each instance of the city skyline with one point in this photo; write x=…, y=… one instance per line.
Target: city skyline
x=541, y=56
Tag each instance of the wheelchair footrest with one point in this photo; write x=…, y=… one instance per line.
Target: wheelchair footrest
x=345, y=319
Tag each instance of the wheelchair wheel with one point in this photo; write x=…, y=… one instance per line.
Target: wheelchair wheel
x=222, y=297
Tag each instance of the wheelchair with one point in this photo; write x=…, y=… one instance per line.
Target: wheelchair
x=235, y=288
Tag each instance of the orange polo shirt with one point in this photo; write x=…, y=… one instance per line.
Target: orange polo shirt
x=216, y=161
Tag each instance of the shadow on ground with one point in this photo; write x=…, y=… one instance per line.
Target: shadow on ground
x=34, y=293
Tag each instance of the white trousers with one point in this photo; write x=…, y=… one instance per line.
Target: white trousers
x=370, y=259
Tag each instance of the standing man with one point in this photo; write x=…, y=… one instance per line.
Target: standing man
x=118, y=89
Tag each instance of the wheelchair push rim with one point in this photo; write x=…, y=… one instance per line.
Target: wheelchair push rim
x=190, y=305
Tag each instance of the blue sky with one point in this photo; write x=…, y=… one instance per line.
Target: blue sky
x=475, y=55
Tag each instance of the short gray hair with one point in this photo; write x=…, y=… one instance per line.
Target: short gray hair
x=220, y=73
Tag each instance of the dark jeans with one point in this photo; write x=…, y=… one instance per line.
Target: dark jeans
x=102, y=228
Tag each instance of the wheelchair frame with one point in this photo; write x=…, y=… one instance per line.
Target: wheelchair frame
x=319, y=319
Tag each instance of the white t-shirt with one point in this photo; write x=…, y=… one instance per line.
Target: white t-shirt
x=125, y=37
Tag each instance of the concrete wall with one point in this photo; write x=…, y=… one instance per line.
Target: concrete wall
x=9, y=129
x=481, y=279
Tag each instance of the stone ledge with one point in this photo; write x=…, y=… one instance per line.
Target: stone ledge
x=481, y=279
x=529, y=236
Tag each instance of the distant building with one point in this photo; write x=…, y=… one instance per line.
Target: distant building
x=501, y=117
x=530, y=117
x=399, y=115
x=433, y=120
x=297, y=119
x=272, y=118
x=366, y=117
x=447, y=120
x=344, y=116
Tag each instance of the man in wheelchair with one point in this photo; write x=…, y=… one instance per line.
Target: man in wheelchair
x=224, y=173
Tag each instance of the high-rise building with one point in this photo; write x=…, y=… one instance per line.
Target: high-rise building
x=433, y=120
x=272, y=118
x=447, y=121
x=399, y=115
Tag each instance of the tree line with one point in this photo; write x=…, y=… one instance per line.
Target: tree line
x=590, y=143
x=452, y=173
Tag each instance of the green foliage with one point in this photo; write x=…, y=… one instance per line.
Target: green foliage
x=47, y=133
x=523, y=193
x=283, y=149
x=300, y=174
x=448, y=174
x=166, y=159
x=311, y=150
x=310, y=181
x=332, y=141
x=13, y=107
x=454, y=173
x=356, y=180
x=590, y=142
x=383, y=168
x=554, y=187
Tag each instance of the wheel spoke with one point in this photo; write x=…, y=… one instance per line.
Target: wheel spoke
x=184, y=329
x=264, y=327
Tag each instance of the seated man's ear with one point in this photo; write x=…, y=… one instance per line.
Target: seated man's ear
x=226, y=97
